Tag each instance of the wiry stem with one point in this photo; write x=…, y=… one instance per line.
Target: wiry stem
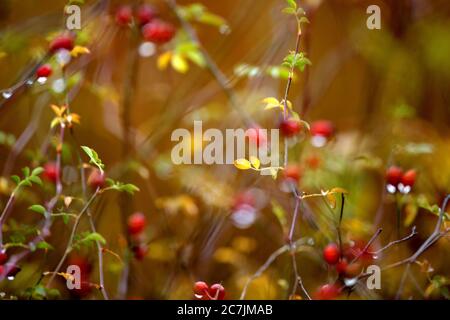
x=72, y=236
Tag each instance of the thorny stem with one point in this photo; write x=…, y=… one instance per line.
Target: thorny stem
x=220, y=77
x=72, y=236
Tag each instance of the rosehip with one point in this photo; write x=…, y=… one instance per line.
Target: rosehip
x=51, y=172
x=290, y=127
x=217, y=292
x=136, y=223
x=409, y=178
x=44, y=71
x=245, y=197
x=3, y=257
x=256, y=135
x=322, y=128
x=140, y=251
x=63, y=41
x=327, y=292
x=292, y=172
x=11, y=269
x=158, y=32
x=394, y=175
x=124, y=15
x=96, y=179
x=83, y=263
x=331, y=253
x=145, y=14
x=341, y=266
x=200, y=288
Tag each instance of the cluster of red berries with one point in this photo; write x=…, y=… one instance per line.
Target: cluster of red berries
x=204, y=292
x=345, y=269
x=153, y=29
x=396, y=179
x=7, y=269
x=136, y=226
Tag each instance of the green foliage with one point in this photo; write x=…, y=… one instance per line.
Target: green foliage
x=199, y=13
x=87, y=239
x=37, y=208
x=29, y=177
x=93, y=158
x=40, y=292
x=296, y=60
x=122, y=187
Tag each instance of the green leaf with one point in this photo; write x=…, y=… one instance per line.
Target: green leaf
x=16, y=179
x=26, y=171
x=37, y=171
x=37, y=208
x=36, y=180
x=93, y=158
x=292, y=4
x=44, y=245
x=94, y=236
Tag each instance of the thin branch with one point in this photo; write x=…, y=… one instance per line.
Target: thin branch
x=369, y=243
x=392, y=243
x=72, y=236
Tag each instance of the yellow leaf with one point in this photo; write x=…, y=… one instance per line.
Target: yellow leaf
x=79, y=50
x=164, y=59
x=255, y=162
x=179, y=63
x=331, y=200
x=271, y=103
x=338, y=190
x=410, y=214
x=59, y=111
x=242, y=164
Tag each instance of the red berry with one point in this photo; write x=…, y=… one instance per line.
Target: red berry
x=124, y=15
x=44, y=71
x=290, y=127
x=331, y=253
x=217, y=292
x=257, y=136
x=244, y=198
x=140, y=251
x=51, y=172
x=322, y=128
x=409, y=178
x=200, y=288
x=136, y=223
x=341, y=266
x=394, y=175
x=63, y=41
x=96, y=179
x=292, y=172
x=313, y=162
x=11, y=269
x=3, y=257
x=145, y=14
x=158, y=32
x=327, y=292
x=82, y=262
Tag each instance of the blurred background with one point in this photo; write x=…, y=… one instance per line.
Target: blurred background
x=386, y=93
